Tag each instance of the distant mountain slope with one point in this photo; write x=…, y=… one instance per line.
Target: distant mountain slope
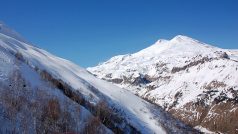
x=196, y=82
x=55, y=88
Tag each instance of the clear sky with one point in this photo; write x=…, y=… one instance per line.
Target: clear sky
x=91, y=31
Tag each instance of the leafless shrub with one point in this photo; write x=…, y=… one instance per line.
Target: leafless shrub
x=93, y=126
x=109, y=118
x=54, y=119
x=52, y=109
x=11, y=96
x=49, y=118
x=67, y=122
x=102, y=111
x=14, y=101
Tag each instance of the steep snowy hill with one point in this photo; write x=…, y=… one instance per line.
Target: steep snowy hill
x=196, y=82
x=52, y=86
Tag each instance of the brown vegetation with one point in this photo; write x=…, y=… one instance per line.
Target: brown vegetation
x=102, y=111
x=50, y=116
x=93, y=126
x=220, y=119
x=52, y=109
x=31, y=107
x=54, y=120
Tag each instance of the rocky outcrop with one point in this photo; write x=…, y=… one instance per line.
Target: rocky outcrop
x=191, y=64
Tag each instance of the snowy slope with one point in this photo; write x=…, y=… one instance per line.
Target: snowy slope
x=143, y=116
x=24, y=97
x=177, y=74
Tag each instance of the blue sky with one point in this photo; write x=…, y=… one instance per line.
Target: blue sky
x=91, y=31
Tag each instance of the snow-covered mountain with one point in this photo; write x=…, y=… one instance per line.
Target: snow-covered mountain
x=42, y=93
x=194, y=81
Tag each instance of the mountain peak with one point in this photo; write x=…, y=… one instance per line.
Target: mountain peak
x=183, y=38
x=179, y=43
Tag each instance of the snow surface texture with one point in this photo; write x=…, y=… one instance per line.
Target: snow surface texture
x=172, y=73
x=142, y=115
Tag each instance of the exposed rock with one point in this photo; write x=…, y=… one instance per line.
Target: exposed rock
x=215, y=84
x=194, y=63
x=116, y=80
